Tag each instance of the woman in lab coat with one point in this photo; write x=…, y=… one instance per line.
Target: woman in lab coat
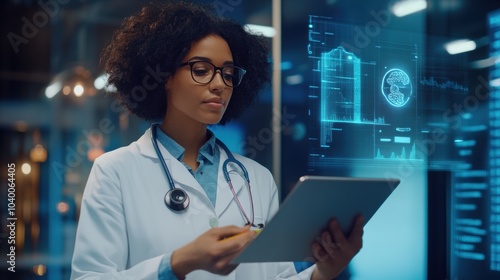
x=182, y=64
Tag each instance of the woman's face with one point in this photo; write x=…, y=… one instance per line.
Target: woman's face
x=191, y=102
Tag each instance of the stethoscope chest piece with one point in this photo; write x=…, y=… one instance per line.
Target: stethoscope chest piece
x=177, y=199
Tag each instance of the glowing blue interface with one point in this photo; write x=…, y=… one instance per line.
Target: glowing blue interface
x=378, y=101
x=494, y=155
x=363, y=99
x=363, y=92
x=475, y=192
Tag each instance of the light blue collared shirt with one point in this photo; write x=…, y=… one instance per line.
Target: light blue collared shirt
x=208, y=158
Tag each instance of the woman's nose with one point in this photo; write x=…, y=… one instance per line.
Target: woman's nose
x=217, y=82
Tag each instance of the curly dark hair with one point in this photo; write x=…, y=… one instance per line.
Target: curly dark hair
x=150, y=45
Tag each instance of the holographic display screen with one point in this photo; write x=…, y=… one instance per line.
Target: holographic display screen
x=363, y=92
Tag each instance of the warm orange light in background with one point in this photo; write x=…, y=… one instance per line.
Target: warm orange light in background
x=40, y=269
x=21, y=126
x=94, y=153
x=26, y=168
x=66, y=90
x=38, y=153
x=78, y=90
x=62, y=207
x=77, y=80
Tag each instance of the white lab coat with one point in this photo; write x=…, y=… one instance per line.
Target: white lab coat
x=125, y=228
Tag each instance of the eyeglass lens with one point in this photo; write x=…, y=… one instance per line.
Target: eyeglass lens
x=203, y=72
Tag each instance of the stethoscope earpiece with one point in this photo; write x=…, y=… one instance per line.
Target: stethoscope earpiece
x=177, y=199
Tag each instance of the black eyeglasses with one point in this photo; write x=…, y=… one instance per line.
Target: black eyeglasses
x=203, y=72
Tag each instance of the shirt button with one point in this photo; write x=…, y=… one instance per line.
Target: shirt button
x=214, y=222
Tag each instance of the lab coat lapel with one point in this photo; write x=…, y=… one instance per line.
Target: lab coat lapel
x=224, y=194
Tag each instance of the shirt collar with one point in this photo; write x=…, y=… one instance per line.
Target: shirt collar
x=207, y=151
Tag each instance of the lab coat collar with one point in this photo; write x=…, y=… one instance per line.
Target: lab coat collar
x=180, y=174
x=145, y=145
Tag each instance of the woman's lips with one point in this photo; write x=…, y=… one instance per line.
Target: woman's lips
x=215, y=103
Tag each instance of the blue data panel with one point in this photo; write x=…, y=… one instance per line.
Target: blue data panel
x=364, y=93
x=363, y=102
x=494, y=153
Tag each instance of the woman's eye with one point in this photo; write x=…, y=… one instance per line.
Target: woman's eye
x=228, y=73
x=228, y=76
x=200, y=71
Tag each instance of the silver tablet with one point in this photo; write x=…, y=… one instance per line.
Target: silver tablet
x=305, y=212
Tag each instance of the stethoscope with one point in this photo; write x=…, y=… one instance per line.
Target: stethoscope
x=177, y=199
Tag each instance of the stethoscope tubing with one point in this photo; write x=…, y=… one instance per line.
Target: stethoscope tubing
x=230, y=159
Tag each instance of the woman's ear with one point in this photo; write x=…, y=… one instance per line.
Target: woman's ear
x=168, y=83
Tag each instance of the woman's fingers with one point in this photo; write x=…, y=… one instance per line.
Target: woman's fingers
x=336, y=231
x=333, y=250
x=227, y=231
x=334, y=239
x=356, y=235
x=213, y=250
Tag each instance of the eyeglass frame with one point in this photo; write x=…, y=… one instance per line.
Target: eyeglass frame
x=191, y=63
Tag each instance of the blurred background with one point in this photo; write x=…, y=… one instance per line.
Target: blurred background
x=443, y=222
